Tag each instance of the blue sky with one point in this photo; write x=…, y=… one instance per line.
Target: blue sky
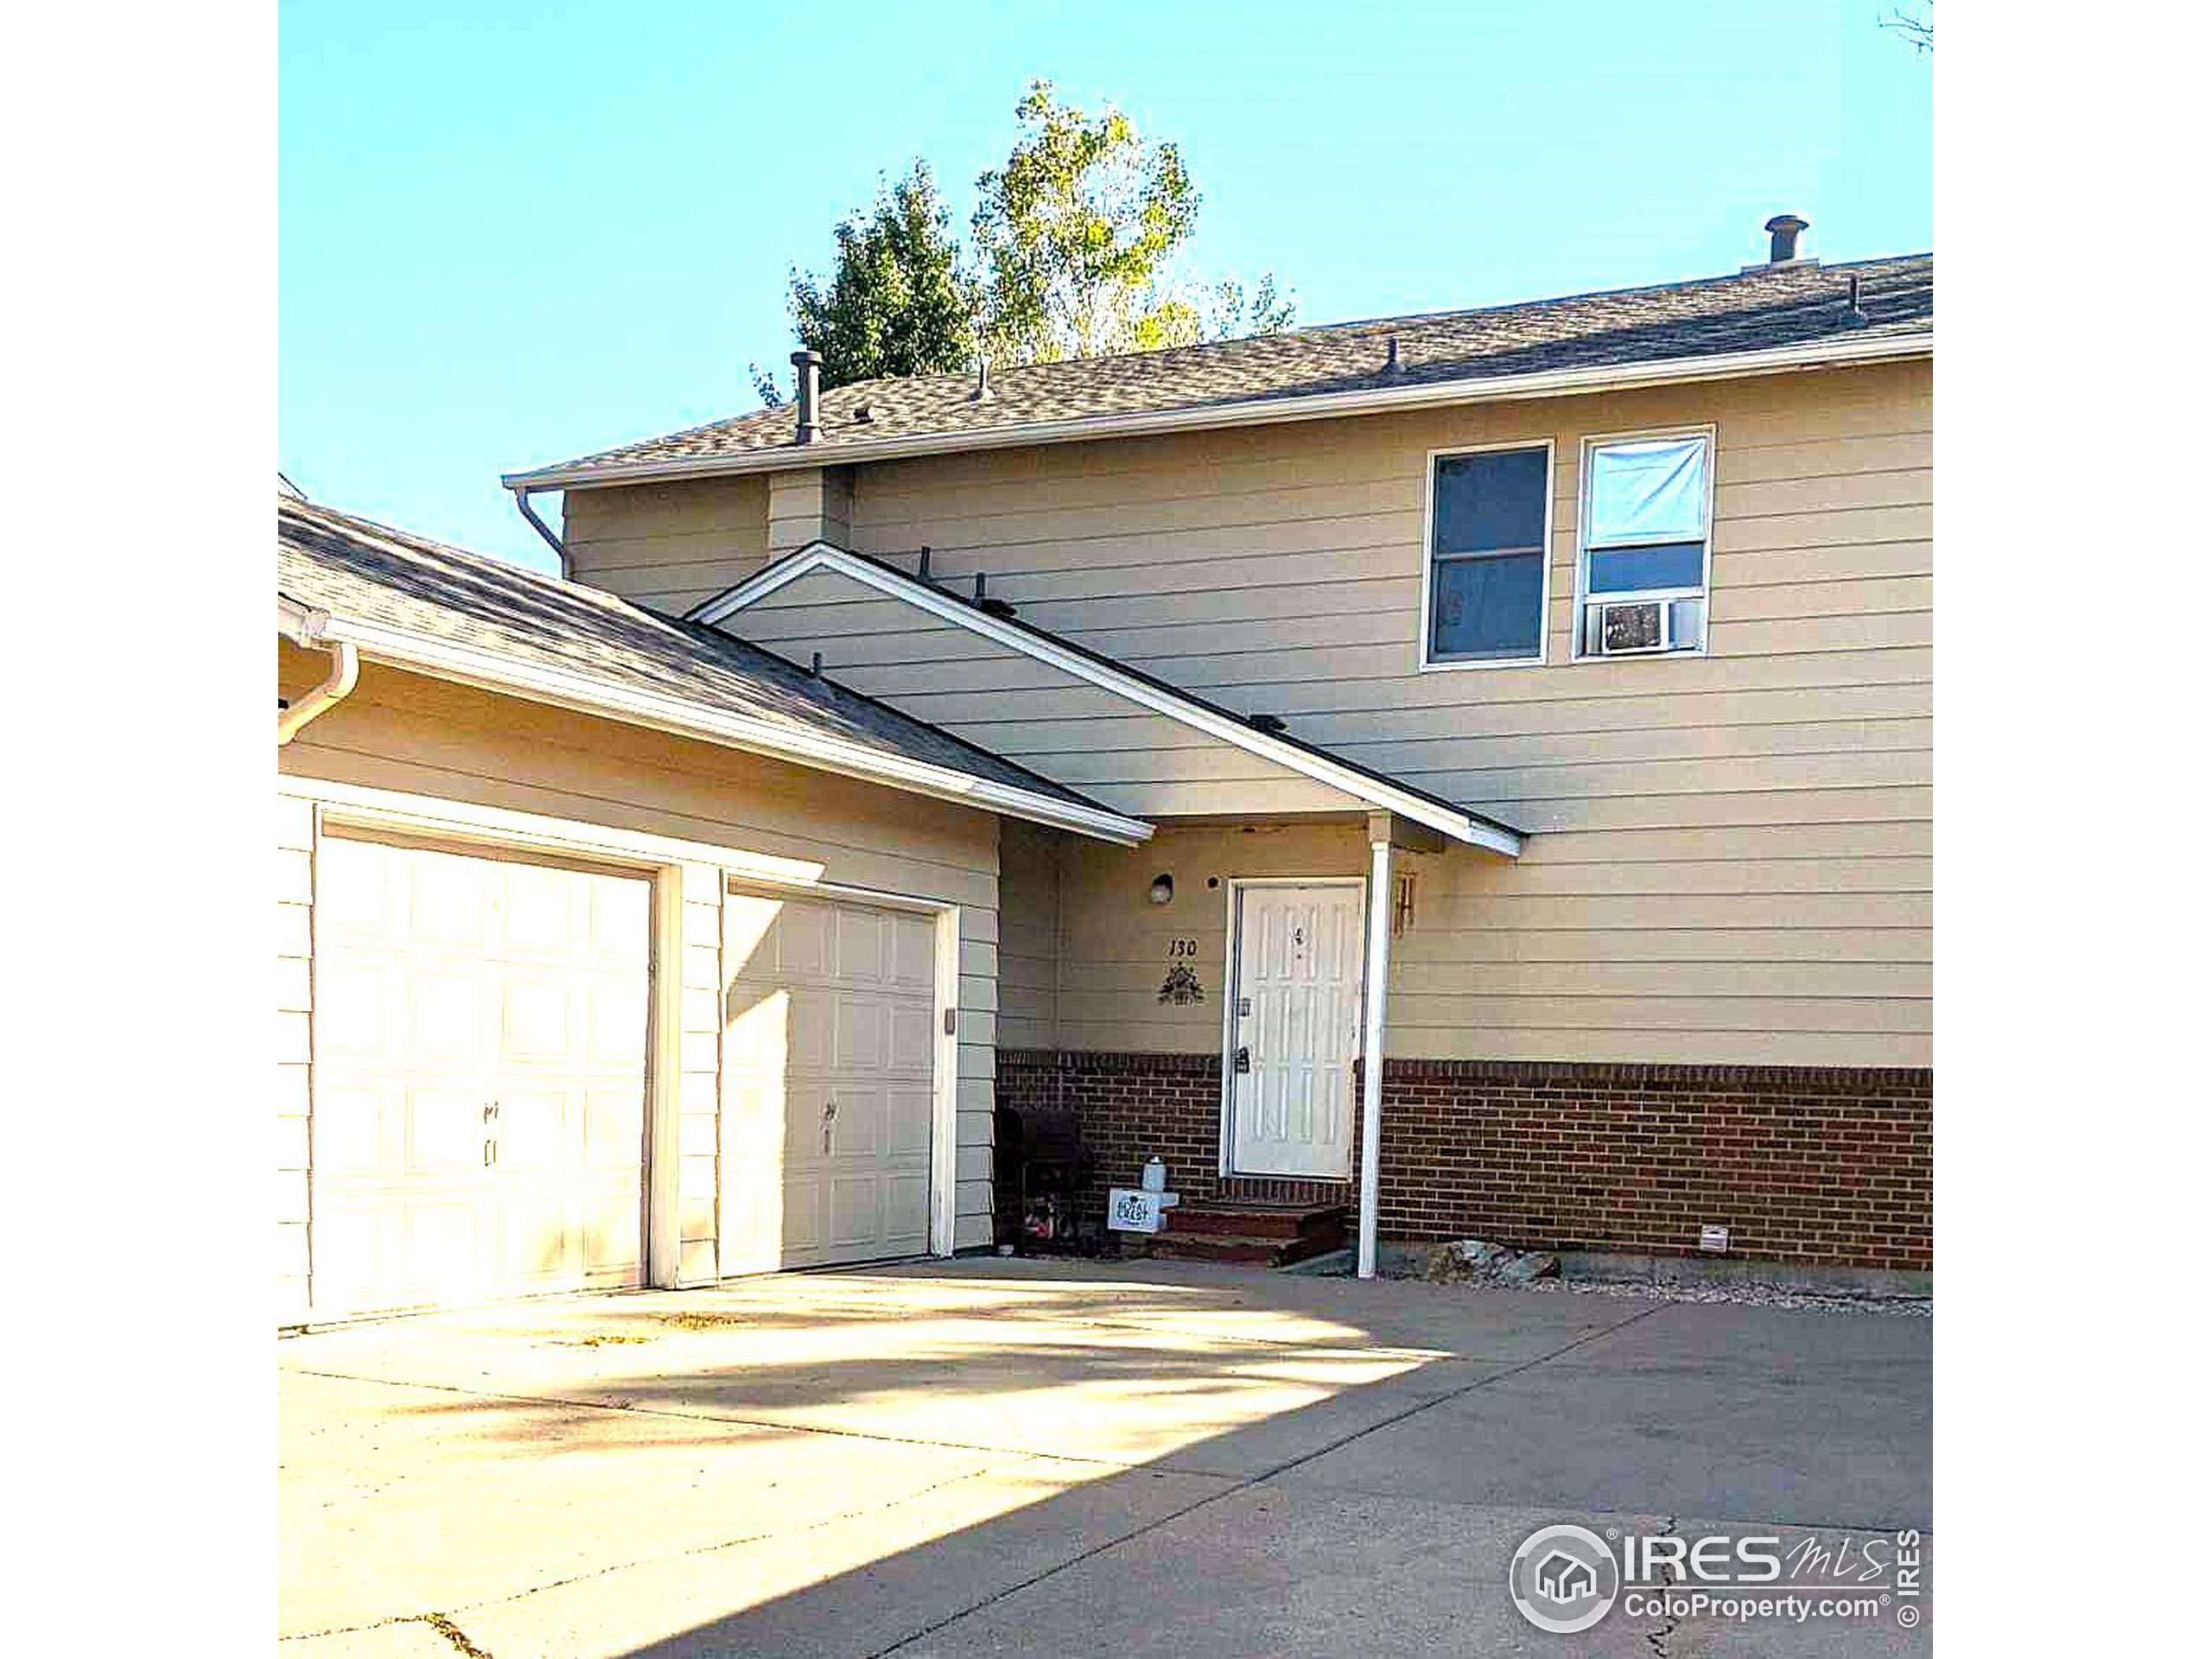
x=514, y=232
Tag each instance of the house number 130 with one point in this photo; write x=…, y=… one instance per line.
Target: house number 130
x=1182, y=948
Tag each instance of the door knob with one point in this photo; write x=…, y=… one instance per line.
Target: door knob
x=1243, y=1059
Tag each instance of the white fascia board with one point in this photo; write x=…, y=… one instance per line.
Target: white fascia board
x=1258, y=412
x=470, y=665
x=297, y=622
x=820, y=556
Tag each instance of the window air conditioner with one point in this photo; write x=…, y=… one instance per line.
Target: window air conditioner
x=1643, y=627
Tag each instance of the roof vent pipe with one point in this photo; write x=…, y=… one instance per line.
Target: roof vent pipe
x=1785, y=229
x=1391, y=367
x=983, y=392
x=807, y=366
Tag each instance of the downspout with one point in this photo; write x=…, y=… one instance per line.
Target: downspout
x=544, y=529
x=345, y=672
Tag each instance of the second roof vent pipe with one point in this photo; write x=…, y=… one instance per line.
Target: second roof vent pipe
x=807, y=367
x=1785, y=229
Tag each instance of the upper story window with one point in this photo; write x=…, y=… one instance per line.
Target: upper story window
x=1647, y=542
x=1486, y=569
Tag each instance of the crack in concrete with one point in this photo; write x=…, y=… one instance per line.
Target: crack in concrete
x=1234, y=1486
x=456, y=1635
x=1657, y=1640
x=1250, y=1482
x=1014, y=1461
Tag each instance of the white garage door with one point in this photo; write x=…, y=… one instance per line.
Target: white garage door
x=478, y=1123
x=828, y=1068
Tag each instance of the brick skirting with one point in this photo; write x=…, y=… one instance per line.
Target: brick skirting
x=1811, y=1165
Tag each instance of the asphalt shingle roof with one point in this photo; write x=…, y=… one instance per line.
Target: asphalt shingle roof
x=353, y=566
x=1768, y=308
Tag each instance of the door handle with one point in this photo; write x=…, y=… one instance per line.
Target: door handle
x=828, y=1117
x=1243, y=1058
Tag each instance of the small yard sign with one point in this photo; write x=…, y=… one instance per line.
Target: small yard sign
x=1130, y=1211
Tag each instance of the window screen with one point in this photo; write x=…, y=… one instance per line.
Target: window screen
x=1486, y=556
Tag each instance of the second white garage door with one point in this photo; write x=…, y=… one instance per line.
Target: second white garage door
x=828, y=1070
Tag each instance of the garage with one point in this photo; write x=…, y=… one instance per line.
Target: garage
x=611, y=952
x=828, y=1070
x=480, y=1102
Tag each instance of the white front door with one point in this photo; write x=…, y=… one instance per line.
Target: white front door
x=1294, y=1028
x=478, y=1127
x=828, y=1076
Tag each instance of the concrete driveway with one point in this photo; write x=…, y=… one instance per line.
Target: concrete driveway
x=1014, y=1457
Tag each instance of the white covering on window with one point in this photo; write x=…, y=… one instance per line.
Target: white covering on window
x=1652, y=490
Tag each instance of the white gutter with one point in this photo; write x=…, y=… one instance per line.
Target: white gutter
x=471, y=666
x=816, y=556
x=1259, y=412
x=304, y=627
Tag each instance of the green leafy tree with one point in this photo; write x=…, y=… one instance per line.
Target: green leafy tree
x=898, y=302
x=1075, y=253
x=1076, y=239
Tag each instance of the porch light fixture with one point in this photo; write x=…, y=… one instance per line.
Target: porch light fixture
x=1163, y=889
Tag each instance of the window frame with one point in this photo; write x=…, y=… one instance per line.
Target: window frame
x=1427, y=660
x=1591, y=443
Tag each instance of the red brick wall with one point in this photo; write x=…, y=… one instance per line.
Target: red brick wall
x=1808, y=1164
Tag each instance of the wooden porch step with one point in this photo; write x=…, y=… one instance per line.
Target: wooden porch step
x=1255, y=1234
x=1256, y=1220
x=1240, y=1250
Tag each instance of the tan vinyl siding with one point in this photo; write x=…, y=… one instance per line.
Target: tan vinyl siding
x=1093, y=740
x=405, y=733
x=1731, y=857
x=1029, y=929
x=667, y=547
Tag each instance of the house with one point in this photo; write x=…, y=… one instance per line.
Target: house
x=1535, y=699
x=1564, y=1579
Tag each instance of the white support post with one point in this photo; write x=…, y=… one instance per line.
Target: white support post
x=1378, y=996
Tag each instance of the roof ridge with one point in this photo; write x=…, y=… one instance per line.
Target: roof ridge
x=1759, y=308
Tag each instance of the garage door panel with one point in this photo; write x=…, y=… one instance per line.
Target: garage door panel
x=539, y=1133
x=360, y=895
x=443, y=1251
x=444, y=1133
x=454, y=1014
x=449, y=900
x=906, y=1202
x=800, y=944
x=478, y=1116
x=346, y=1132
x=362, y=1009
x=862, y=1040
x=614, y=1126
x=907, y=1112
x=861, y=956
x=913, y=1040
x=914, y=963
x=812, y=1034
x=538, y=1021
